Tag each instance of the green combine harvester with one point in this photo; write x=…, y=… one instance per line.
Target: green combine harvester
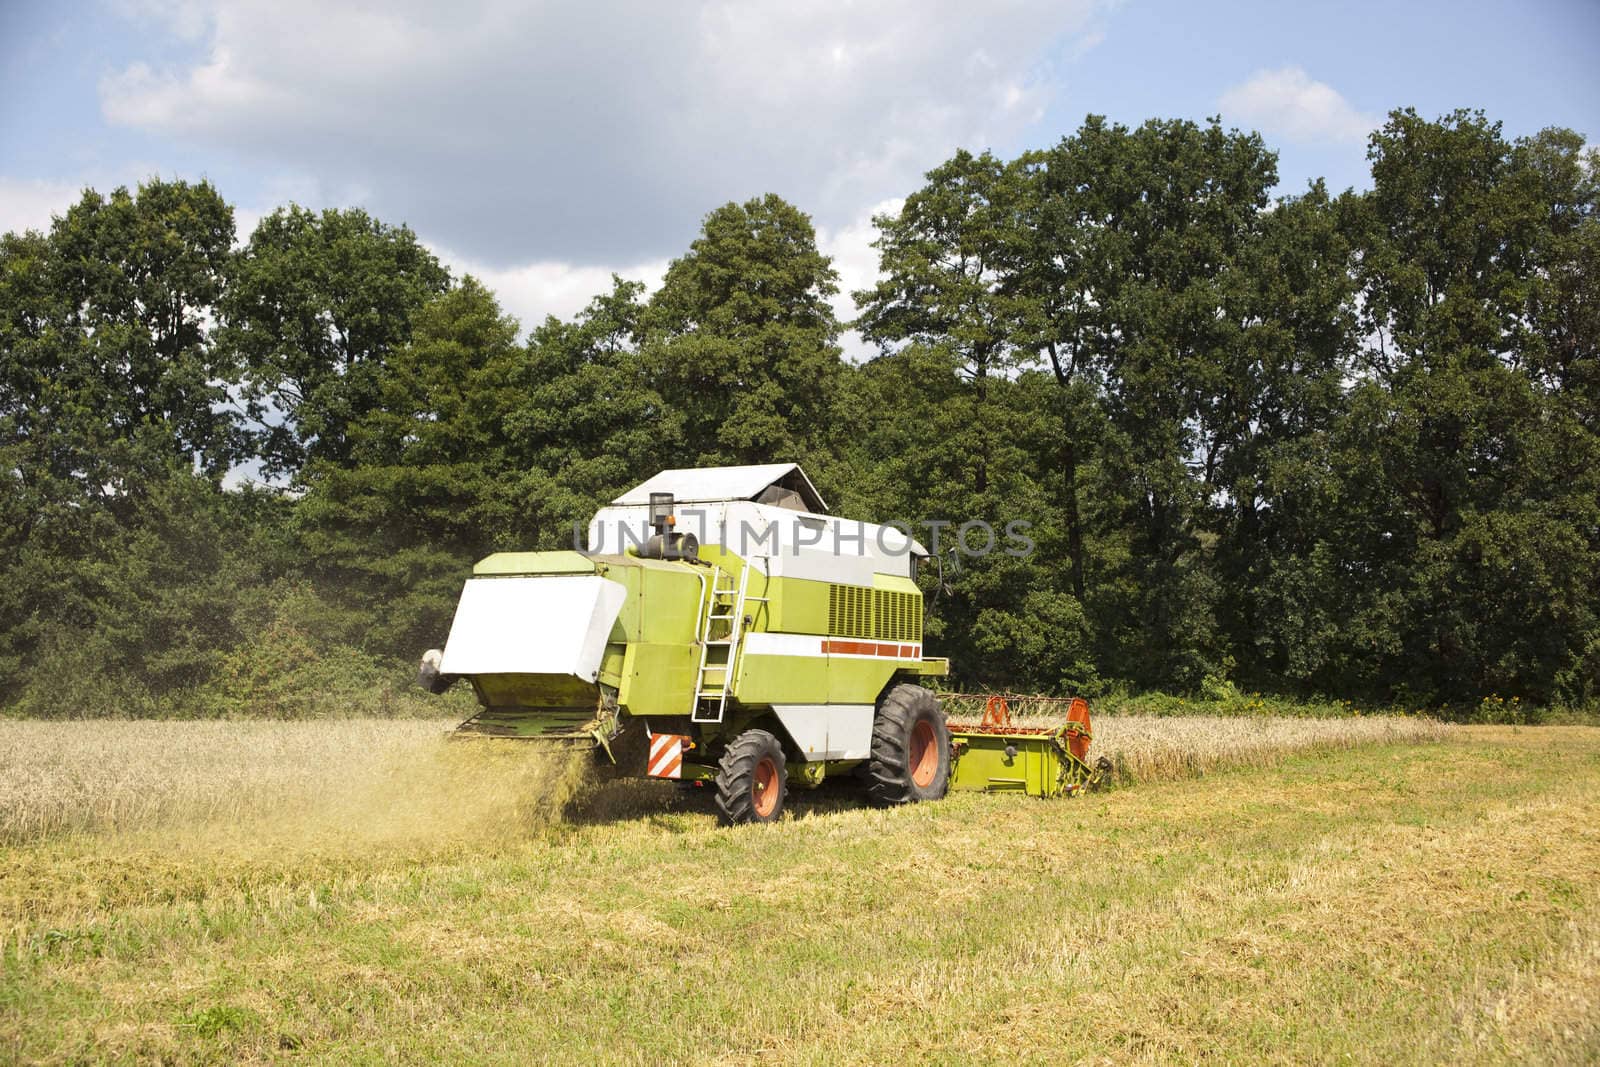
x=722, y=629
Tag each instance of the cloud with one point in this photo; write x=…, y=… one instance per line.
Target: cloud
x=596, y=134
x=187, y=20
x=30, y=205
x=1287, y=103
x=531, y=291
x=850, y=247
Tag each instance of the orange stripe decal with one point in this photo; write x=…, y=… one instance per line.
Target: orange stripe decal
x=837, y=647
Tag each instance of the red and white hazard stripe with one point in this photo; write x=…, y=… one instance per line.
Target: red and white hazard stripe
x=666, y=755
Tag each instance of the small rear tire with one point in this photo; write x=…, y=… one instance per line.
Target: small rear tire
x=910, y=749
x=752, y=779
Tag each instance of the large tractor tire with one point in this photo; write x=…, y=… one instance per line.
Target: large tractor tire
x=910, y=749
x=751, y=779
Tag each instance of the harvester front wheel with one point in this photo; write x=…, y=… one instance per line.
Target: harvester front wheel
x=751, y=782
x=910, y=749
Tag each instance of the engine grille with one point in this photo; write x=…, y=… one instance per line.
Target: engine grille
x=874, y=613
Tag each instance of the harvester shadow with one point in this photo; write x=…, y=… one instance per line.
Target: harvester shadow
x=638, y=800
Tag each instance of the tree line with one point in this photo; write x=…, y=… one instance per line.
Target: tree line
x=1319, y=444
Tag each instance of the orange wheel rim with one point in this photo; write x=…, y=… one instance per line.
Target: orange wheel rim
x=764, y=788
x=924, y=754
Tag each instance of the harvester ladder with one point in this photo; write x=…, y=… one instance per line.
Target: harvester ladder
x=714, y=677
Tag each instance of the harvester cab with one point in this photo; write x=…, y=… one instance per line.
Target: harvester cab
x=722, y=629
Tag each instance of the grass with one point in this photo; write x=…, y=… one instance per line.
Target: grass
x=1304, y=898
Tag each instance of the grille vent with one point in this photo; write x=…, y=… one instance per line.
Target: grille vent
x=874, y=613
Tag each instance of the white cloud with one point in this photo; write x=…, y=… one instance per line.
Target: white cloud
x=188, y=20
x=1288, y=103
x=600, y=133
x=531, y=291
x=856, y=260
x=30, y=205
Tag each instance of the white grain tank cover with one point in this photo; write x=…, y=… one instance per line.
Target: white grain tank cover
x=543, y=625
x=706, y=484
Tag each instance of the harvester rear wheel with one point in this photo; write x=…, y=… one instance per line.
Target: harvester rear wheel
x=910, y=749
x=751, y=779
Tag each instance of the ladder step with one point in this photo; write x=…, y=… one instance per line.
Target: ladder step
x=714, y=681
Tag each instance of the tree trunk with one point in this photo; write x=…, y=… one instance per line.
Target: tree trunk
x=1069, y=465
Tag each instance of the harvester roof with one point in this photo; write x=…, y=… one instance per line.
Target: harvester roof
x=783, y=484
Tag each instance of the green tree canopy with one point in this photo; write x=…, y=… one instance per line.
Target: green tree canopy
x=314, y=306
x=586, y=420
x=423, y=489
x=741, y=339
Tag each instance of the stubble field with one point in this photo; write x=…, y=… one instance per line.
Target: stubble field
x=1380, y=889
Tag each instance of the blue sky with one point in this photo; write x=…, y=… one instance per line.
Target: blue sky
x=544, y=146
x=1529, y=65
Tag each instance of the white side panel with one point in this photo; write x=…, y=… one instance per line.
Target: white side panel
x=829, y=731
x=821, y=565
x=808, y=727
x=542, y=625
x=850, y=731
x=765, y=644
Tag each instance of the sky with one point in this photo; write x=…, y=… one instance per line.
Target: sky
x=542, y=146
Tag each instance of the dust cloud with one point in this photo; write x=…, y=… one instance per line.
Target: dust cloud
x=325, y=786
x=453, y=790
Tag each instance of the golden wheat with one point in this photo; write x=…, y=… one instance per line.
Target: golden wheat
x=358, y=779
x=1148, y=747
x=367, y=779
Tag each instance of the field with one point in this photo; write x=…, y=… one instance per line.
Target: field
x=1376, y=889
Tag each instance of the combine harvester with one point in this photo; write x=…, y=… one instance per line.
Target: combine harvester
x=723, y=629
